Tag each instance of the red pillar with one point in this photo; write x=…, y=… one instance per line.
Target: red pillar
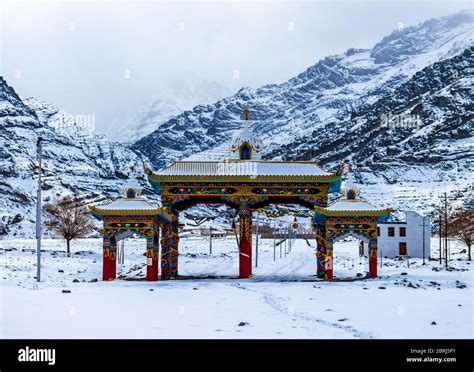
x=113, y=257
x=106, y=274
x=245, y=257
x=373, y=258
x=328, y=262
x=151, y=259
x=109, y=266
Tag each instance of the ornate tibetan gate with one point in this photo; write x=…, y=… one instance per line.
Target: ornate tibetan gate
x=245, y=183
x=125, y=217
x=349, y=216
x=331, y=229
x=244, y=193
x=117, y=228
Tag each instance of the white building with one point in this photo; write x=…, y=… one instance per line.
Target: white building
x=405, y=238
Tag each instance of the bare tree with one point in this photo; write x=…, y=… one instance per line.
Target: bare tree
x=69, y=218
x=461, y=226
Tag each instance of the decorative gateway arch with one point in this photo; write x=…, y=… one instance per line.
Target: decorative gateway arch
x=348, y=216
x=244, y=182
x=127, y=216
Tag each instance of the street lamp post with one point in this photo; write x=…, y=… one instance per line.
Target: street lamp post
x=38, y=212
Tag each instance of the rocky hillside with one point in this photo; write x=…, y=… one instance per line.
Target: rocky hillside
x=417, y=141
x=331, y=113
x=76, y=160
x=401, y=112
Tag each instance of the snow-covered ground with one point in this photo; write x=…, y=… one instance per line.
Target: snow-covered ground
x=283, y=300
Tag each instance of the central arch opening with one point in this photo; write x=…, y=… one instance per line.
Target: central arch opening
x=350, y=256
x=209, y=244
x=208, y=247
x=130, y=260
x=287, y=241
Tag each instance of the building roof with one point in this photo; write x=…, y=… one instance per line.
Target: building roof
x=353, y=207
x=243, y=170
x=128, y=206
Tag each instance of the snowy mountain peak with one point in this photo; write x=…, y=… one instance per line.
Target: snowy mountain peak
x=178, y=98
x=312, y=113
x=413, y=40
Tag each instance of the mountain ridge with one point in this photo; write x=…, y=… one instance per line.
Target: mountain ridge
x=333, y=87
x=331, y=112
x=75, y=160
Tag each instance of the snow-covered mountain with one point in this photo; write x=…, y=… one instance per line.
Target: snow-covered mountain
x=180, y=97
x=324, y=114
x=417, y=141
x=337, y=110
x=75, y=160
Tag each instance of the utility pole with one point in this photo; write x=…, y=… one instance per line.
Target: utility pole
x=440, y=236
x=38, y=212
x=210, y=239
x=446, y=229
x=423, y=226
x=256, y=240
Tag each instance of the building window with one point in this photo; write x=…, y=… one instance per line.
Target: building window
x=378, y=231
x=402, y=249
x=403, y=231
x=391, y=231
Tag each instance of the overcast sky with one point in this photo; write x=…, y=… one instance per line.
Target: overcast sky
x=109, y=58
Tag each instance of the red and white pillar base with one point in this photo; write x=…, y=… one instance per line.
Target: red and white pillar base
x=329, y=263
x=373, y=258
x=109, y=266
x=245, y=256
x=151, y=259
